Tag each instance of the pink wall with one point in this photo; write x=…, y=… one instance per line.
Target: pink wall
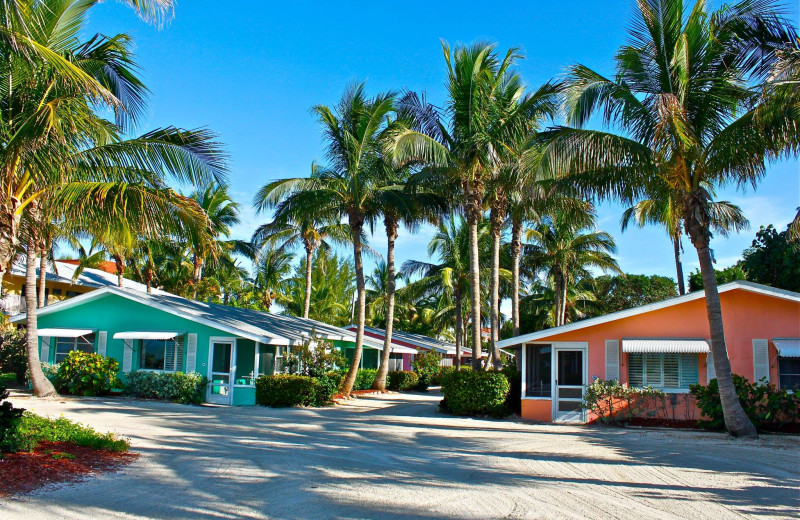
x=746, y=316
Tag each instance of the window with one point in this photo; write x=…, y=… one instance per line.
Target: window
x=266, y=360
x=663, y=370
x=279, y=368
x=789, y=373
x=161, y=354
x=538, y=376
x=245, y=362
x=395, y=362
x=66, y=345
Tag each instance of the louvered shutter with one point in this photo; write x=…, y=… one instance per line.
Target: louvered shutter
x=671, y=368
x=636, y=370
x=689, y=374
x=653, y=373
x=102, y=339
x=760, y=360
x=127, y=356
x=711, y=373
x=191, y=353
x=612, y=359
x=45, y=349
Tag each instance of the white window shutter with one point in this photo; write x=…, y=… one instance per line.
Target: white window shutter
x=191, y=353
x=760, y=360
x=127, y=356
x=102, y=338
x=710, y=372
x=45, y=349
x=612, y=359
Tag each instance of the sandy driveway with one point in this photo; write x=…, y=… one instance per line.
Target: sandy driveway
x=396, y=457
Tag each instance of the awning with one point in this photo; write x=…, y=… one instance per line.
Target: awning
x=665, y=345
x=146, y=335
x=65, y=333
x=787, y=347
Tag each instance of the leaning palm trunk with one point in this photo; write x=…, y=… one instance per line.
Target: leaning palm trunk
x=309, y=259
x=119, y=263
x=383, y=369
x=361, y=314
x=42, y=299
x=42, y=387
x=197, y=273
x=459, y=329
x=473, y=212
x=494, y=289
x=676, y=243
x=10, y=219
x=736, y=421
x=516, y=251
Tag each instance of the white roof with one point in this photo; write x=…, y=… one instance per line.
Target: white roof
x=63, y=273
x=144, y=334
x=262, y=327
x=787, y=347
x=64, y=333
x=670, y=345
x=578, y=325
x=425, y=342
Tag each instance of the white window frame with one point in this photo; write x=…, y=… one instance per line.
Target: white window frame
x=54, y=341
x=175, y=354
x=665, y=389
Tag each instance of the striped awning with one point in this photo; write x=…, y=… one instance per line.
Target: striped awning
x=64, y=333
x=144, y=334
x=665, y=345
x=787, y=347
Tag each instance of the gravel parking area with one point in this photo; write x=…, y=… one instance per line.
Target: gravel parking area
x=395, y=456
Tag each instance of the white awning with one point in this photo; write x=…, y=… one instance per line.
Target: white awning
x=787, y=347
x=666, y=345
x=65, y=333
x=145, y=334
x=400, y=349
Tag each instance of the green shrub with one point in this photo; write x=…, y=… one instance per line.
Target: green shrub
x=13, y=354
x=9, y=417
x=766, y=405
x=475, y=392
x=33, y=429
x=613, y=402
x=171, y=386
x=87, y=373
x=326, y=387
x=364, y=378
x=318, y=361
x=427, y=366
x=402, y=380
x=283, y=390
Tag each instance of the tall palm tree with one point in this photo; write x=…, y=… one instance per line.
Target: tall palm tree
x=355, y=133
x=333, y=283
x=682, y=95
x=662, y=211
x=287, y=232
x=272, y=270
x=222, y=213
x=464, y=150
x=565, y=248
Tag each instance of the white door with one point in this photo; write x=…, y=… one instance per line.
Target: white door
x=570, y=374
x=219, y=372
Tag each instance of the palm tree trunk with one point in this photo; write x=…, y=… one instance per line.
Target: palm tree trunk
x=10, y=219
x=497, y=219
x=459, y=330
x=516, y=251
x=383, y=369
x=309, y=259
x=42, y=298
x=676, y=243
x=42, y=387
x=197, y=272
x=356, y=227
x=736, y=421
x=119, y=263
x=564, y=287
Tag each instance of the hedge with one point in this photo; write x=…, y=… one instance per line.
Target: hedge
x=282, y=390
x=475, y=392
x=172, y=386
x=402, y=380
x=87, y=373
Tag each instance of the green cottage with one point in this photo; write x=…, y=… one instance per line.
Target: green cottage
x=163, y=332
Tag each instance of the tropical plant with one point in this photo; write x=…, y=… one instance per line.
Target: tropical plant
x=333, y=284
x=271, y=276
x=682, y=94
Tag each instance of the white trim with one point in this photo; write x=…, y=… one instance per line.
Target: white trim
x=612, y=358
x=746, y=286
x=228, y=340
x=102, y=342
x=760, y=360
x=665, y=345
x=147, y=334
x=191, y=353
x=787, y=347
x=583, y=347
x=65, y=333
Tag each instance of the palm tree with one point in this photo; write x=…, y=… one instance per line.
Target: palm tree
x=272, y=269
x=564, y=247
x=289, y=232
x=451, y=277
x=662, y=211
x=464, y=151
x=222, y=213
x=333, y=283
x=682, y=94
x=355, y=132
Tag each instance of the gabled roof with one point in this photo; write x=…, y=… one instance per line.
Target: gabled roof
x=697, y=295
x=419, y=340
x=63, y=272
x=264, y=327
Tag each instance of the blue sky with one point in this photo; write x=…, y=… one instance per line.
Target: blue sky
x=251, y=70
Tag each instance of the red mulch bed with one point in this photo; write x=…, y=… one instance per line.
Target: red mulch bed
x=356, y=393
x=47, y=464
x=664, y=423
